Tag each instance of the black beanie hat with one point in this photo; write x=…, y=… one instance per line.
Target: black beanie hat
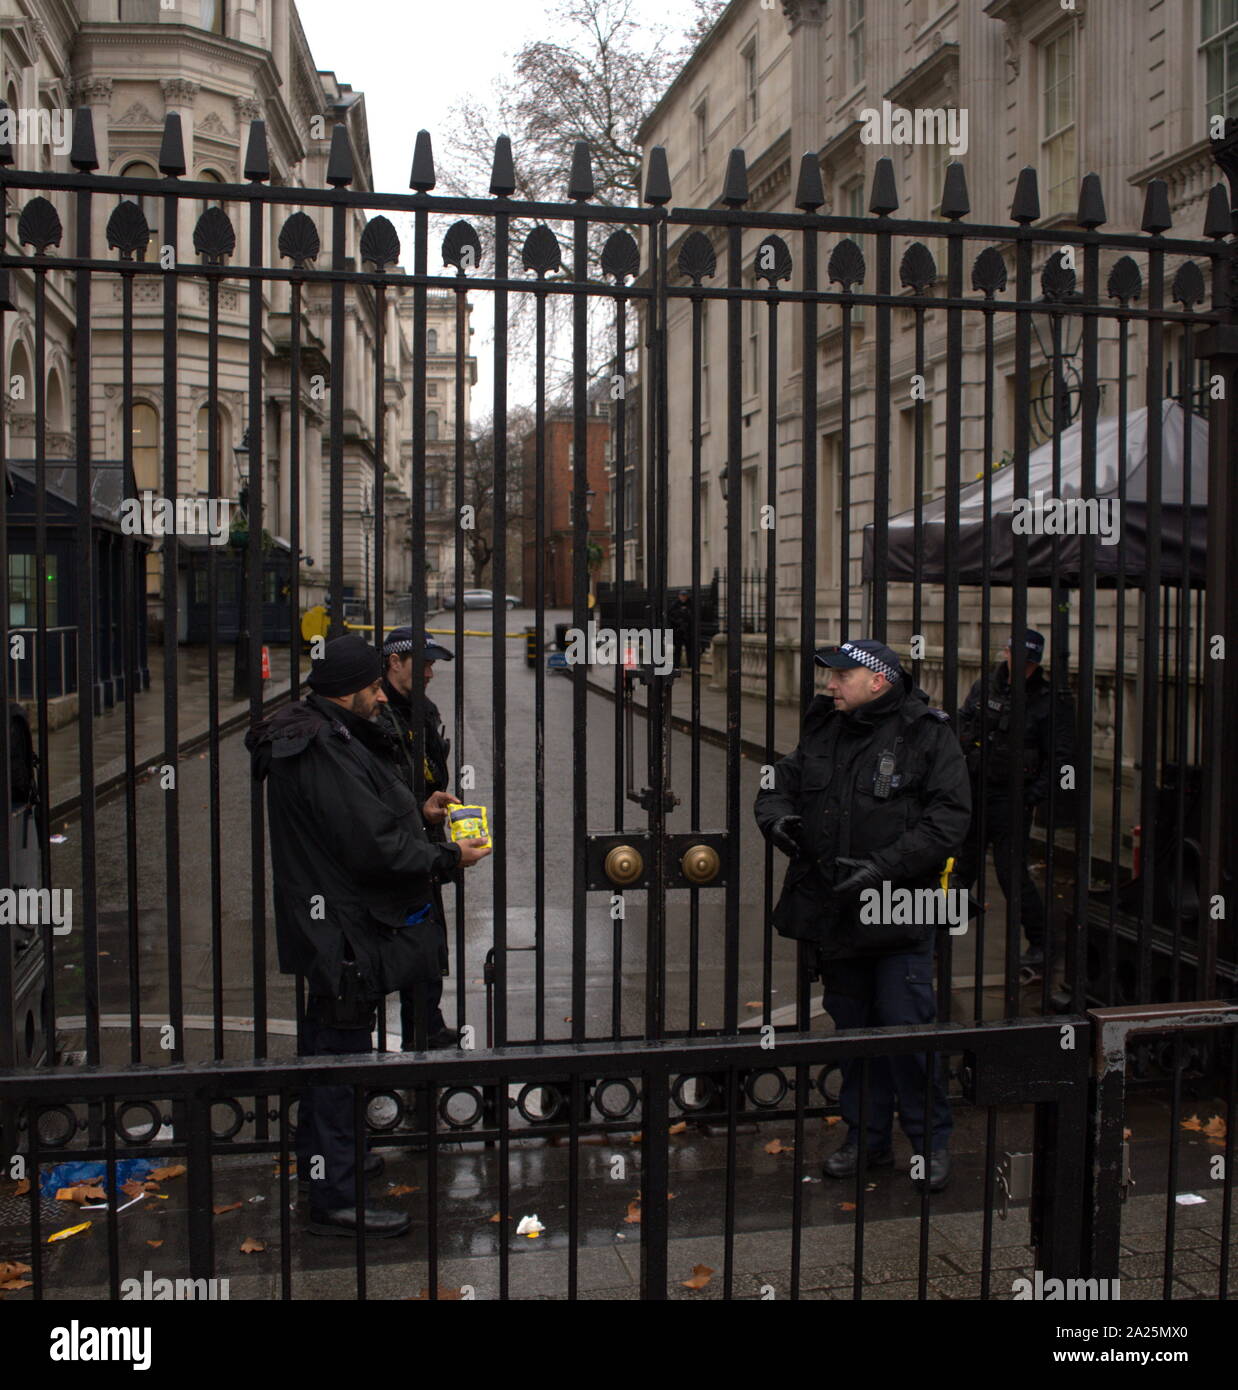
x=348, y=664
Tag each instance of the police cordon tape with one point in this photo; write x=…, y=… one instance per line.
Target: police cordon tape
x=436, y=631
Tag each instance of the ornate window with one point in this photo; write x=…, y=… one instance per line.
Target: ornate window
x=1059, y=161
x=1218, y=35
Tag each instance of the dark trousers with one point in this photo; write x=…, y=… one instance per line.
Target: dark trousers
x=683, y=646
x=998, y=828
x=882, y=991
x=426, y=998
x=325, y=1120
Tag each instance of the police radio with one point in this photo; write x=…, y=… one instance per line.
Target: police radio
x=885, y=776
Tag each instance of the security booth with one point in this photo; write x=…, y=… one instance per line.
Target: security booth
x=61, y=556
x=194, y=584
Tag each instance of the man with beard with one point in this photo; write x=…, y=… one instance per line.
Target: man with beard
x=353, y=871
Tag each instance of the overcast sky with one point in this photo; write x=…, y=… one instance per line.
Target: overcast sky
x=413, y=60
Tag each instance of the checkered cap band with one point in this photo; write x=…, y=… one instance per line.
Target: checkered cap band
x=873, y=663
x=397, y=647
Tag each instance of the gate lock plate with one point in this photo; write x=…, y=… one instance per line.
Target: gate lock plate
x=1014, y=1180
x=693, y=859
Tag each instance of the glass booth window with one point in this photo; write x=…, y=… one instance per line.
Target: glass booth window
x=23, y=591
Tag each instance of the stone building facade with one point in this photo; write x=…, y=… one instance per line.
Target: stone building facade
x=1123, y=91
x=219, y=64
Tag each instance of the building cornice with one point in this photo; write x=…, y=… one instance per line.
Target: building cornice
x=937, y=70
x=689, y=70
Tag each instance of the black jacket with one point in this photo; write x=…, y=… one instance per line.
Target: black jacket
x=433, y=747
x=349, y=850
x=1041, y=759
x=829, y=780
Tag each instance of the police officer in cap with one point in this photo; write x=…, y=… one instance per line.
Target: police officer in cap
x=352, y=869
x=990, y=727
x=400, y=670
x=873, y=799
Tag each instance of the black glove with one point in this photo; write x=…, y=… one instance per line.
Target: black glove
x=865, y=874
x=786, y=834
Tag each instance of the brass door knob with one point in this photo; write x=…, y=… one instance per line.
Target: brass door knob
x=624, y=864
x=700, y=864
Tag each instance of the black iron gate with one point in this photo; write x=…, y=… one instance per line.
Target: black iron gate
x=603, y=923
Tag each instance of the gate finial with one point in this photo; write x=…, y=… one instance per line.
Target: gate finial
x=1091, y=203
x=954, y=200
x=1217, y=220
x=172, y=150
x=503, y=171
x=657, y=178
x=1026, y=205
x=809, y=191
x=257, y=158
x=1156, y=215
x=735, y=188
x=339, y=162
x=82, y=153
x=580, y=185
x=422, y=178
x=885, y=197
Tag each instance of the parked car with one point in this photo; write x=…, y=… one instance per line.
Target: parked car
x=478, y=598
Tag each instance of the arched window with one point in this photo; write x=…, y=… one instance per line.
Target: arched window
x=149, y=202
x=432, y=340
x=202, y=470
x=145, y=446
x=209, y=176
x=55, y=403
x=431, y=424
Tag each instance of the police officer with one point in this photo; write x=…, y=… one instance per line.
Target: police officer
x=400, y=670
x=679, y=615
x=351, y=866
x=875, y=796
x=991, y=727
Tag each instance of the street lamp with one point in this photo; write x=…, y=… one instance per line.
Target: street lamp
x=239, y=538
x=367, y=530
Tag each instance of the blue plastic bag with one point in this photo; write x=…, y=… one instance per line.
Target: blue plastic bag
x=71, y=1174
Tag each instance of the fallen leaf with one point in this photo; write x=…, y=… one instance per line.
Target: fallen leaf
x=568, y=1019
x=846, y=1206
x=633, y=1216
x=670, y=1196
x=132, y=1188
x=1193, y=1122
x=444, y=1294
x=250, y=1246
x=155, y=1244
x=1215, y=1128
x=402, y=1190
x=776, y=1146
x=22, y=1188
x=83, y=1192
x=69, y=1231
x=870, y=1187
x=833, y=1119
x=1126, y=1134
x=754, y=1004
x=10, y=1269
x=232, y=1206
x=678, y=1128
x=636, y=1138
x=175, y=1170
x=701, y=1275
x=17, y=1284
x=149, y=1187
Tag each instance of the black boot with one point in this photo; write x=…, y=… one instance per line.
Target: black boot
x=343, y=1221
x=843, y=1162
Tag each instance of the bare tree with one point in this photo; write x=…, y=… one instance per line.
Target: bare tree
x=595, y=77
x=480, y=487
